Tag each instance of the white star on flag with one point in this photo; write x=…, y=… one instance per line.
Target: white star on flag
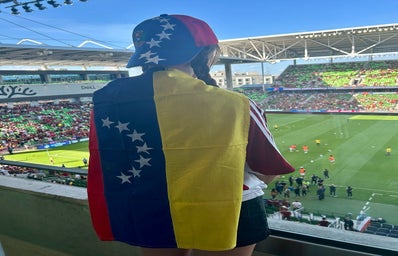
x=168, y=26
x=125, y=178
x=143, y=161
x=136, y=173
x=163, y=19
x=163, y=35
x=136, y=136
x=122, y=127
x=106, y=122
x=146, y=55
x=143, y=148
x=154, y=59
x=153, y=43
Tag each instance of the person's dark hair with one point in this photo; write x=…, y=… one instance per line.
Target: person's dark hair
x=203, y=61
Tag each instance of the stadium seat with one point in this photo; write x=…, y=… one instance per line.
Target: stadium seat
x=393, y=235
x=371, y=229
x=384, y=230
x=387, y=226
x=375, y=224
x=382, y=233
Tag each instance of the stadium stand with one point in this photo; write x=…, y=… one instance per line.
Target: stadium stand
x=344, y=74
x=25, y=126
x=311, y=102
x=323, y=102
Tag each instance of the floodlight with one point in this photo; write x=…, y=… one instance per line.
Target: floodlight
x=40, y=6
x=27, y=8
x=14, y=11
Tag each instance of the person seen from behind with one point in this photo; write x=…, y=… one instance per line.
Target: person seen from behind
x=177, y=165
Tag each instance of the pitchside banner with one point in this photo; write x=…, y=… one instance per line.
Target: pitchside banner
x=43, y=90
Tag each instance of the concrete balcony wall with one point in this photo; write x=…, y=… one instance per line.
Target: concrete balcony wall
x=40, y=218
x=45, y=219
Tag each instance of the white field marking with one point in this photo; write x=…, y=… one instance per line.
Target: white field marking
x=365, y=209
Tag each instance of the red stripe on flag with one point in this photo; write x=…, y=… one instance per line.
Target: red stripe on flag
x=95, y=189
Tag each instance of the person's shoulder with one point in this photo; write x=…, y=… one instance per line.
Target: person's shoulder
x=225, y=93
x=231, y=93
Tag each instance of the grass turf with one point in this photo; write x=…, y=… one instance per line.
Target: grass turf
x=70, y=155
x=358, y=143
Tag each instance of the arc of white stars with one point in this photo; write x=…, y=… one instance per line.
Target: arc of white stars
x=143, y=148
x=164, y=35
x=136, y=173
x=143, y=161
x=106, y=122
x=136, y=136
x=125, y=178
x=153, y=43
x=122, y=126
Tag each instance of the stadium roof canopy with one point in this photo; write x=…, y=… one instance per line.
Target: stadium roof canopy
x=349, y=42
x=337, y=43
x=45, y=55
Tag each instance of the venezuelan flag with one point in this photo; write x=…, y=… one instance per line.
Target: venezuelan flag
x=167, y=155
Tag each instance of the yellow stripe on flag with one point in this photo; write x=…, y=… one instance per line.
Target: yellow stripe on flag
x=204, y=133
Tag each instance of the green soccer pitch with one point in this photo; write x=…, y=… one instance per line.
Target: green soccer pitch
x=358, y=143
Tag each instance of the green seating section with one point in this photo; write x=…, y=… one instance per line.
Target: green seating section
x=344, y=74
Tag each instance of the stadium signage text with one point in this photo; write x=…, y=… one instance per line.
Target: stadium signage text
x=47, y=90
x=10, y=91
x=91, y=87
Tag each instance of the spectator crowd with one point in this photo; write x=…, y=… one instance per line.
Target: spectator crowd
x=24, y=126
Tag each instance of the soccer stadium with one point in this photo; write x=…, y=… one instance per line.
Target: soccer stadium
x=336, y=121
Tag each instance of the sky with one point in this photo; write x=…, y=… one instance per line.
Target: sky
x=110, y=22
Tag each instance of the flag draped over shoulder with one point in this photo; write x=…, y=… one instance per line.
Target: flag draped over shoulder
x=167, y=155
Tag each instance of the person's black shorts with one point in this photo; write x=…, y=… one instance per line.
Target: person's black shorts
x=253, y=225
